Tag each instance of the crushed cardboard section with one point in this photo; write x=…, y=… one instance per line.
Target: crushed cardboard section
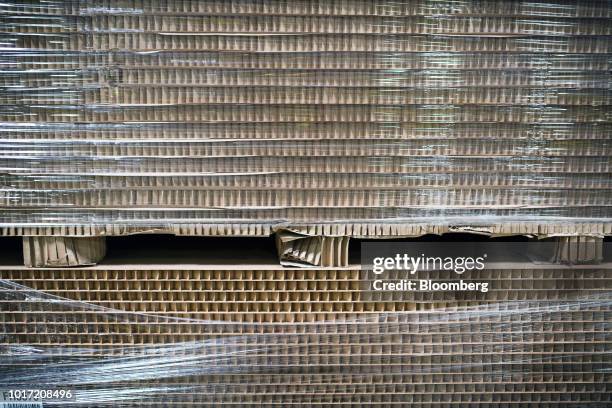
x=301, y=250
x=570, y=250
x=63, y=251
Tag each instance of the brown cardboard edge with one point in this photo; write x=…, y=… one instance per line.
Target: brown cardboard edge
x=61, y=252
x=383, y=230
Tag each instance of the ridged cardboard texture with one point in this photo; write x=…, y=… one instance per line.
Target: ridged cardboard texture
x=143, y=335
x=267, y=115
x=54, y=251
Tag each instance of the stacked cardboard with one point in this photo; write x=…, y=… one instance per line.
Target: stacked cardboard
x=326, y=120
x=135, y=335
x=265, y=114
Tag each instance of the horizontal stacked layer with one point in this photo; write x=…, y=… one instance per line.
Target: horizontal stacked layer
x=291, y=295
x=162, y=113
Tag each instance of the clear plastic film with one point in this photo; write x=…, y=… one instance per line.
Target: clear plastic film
x=278, y=112
x=539, y=337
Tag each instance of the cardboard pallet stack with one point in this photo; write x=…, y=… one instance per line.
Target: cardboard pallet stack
x=260, y=335
x=326, y=118
x=319, y=121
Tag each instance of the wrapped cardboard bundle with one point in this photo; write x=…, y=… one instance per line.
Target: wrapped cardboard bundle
x=264, y=115
x=138, y=335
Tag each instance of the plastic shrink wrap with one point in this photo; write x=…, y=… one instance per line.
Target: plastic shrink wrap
x=161, y=114
x=131, y=116
x=135, y=336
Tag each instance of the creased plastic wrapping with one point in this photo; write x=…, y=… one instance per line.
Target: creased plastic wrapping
x=121, y=337
x=161, y=113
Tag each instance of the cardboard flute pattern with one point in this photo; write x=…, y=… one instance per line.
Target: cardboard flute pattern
x=333, y=119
